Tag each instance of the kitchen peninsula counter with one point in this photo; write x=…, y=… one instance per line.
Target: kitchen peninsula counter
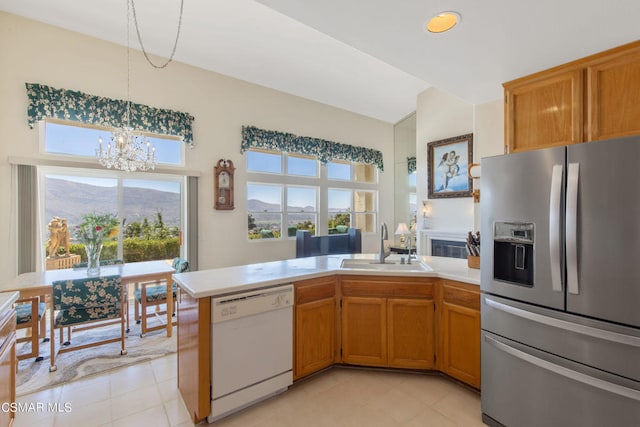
x=221, y=281
x=322, y=286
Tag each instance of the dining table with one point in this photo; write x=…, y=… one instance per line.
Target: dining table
x=39, y=283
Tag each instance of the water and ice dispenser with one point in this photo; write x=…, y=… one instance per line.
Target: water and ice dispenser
x=513, y=252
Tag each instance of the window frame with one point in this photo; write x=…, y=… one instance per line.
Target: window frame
x=42, y=139
x=119, y=177
x=322, y=183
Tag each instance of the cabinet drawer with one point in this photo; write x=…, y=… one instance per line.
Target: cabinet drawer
x=315, y=290
x=388, y=287
x=455, y=294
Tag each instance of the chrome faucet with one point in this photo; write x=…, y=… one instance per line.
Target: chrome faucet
x=384, y=235
x=409, y=249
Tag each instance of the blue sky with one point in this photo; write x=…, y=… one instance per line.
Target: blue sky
x=169, y=186
x=82, y=141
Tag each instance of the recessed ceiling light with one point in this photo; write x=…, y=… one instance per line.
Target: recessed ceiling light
x=443, y=21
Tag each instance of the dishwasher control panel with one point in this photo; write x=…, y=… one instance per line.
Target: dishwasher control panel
x=244, y=304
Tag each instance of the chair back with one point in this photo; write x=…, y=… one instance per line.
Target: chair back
x=88, y=293
x=102, y=262
x=180, y=265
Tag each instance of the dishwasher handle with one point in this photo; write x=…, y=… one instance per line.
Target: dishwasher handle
x=245, y=304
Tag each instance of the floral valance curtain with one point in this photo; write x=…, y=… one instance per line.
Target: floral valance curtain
x=411, y=165
x=325, y=151
x=63, y=104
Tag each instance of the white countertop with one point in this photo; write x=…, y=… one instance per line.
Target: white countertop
x=221, y=281
x=6, y=301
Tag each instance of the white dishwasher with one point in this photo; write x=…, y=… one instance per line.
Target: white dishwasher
x=251, y=348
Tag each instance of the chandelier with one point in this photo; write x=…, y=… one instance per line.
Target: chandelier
x=129, y=150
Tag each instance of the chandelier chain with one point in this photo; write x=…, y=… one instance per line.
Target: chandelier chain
x=128, y=113
x=128, y=150
x=144, y=51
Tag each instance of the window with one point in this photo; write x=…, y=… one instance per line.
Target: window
x=351, y=208
x=80, y=141
x=149, y=210
x=264, y=207
x=302, y=212
x=150, y=207
x=293, y=191
x=264, y=161
x=357, y=172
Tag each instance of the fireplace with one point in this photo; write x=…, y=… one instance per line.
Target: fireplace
x=445, y=243
x=448, y=248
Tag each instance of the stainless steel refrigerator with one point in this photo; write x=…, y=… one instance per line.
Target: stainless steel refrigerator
x=560, y=275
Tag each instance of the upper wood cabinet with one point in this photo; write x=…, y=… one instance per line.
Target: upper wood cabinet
x=613, y=87
x=546, y=110
x=585, y=100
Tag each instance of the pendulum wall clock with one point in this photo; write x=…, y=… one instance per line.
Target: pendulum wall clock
x=223, y=185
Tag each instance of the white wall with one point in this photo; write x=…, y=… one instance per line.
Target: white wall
x=38, y=53
x=488, y=139
x=439, y=116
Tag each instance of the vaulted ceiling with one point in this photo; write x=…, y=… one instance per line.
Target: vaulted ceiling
x=371, y=57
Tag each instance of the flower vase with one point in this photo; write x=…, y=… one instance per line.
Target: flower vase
x=93, y=259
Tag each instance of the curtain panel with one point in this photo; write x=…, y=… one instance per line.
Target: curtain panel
x=48, y=102
x=325, y=151
x=411, y=165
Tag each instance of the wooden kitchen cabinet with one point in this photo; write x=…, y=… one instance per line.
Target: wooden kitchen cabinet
x=7, y=365
x=613, y=88
x=315, y=325
x=460, y=332
x=544, y=111
x=388, y=321
x=411, y=341
x=194, y=349
x=364, y=331
x=589, y=99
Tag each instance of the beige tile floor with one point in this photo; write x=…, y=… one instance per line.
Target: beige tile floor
x=146, y=395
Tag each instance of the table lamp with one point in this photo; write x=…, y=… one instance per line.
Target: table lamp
x=401, y=231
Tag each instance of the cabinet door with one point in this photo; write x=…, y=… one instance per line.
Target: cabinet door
x=411, y=340
x=613, y=85
x=543, y=111
x=364, y=331
x=7, y=365
x=315, y=336
x=461, y=343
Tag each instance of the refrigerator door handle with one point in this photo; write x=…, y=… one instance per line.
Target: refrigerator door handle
x=555, y=200
x=577, y=328
x=573, y=174
x=565, y=372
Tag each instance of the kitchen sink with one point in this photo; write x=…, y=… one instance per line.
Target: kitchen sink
x=368, y=264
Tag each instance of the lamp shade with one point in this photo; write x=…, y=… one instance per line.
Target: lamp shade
x=402, y=229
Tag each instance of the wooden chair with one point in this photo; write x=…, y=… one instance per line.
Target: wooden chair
x=153, y=294
x=85, y=301
x=29, y=312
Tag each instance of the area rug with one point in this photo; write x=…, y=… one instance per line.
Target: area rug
x=34, y=376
